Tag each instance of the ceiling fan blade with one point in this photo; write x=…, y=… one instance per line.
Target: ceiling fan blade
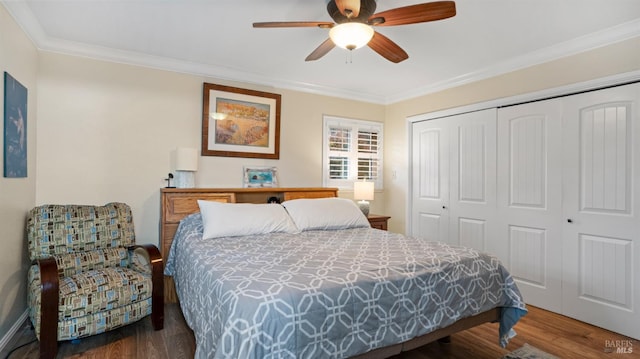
x=349, y=8
x=387, y=48
x=414, y=14
x=322, y=24
x=321, y=50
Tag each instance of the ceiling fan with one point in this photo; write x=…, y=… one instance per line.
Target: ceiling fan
x=354, y=20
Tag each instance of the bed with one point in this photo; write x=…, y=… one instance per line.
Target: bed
x=322, y=283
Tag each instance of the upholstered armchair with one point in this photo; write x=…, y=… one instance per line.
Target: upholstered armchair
x=87, y=275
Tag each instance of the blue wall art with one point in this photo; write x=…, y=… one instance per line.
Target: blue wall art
x=15, y=128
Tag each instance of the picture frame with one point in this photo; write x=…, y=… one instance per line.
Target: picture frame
x=257, y=177
x=15, y=128
x=239, y=122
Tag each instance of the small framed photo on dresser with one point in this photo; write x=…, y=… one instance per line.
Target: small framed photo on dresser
x=260, y=177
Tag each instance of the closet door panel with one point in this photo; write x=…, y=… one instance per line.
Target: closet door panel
x=529, y=199
x=472, y=232
x=601, y=209
x=528, y=255
x=528, y=161
x=605, y=158
x=430, y=180
x=472, y=208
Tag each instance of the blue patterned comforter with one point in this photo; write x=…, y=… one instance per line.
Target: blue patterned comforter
x=328, y=294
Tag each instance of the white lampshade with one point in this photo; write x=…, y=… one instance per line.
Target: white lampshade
x=187, y=159
x=351, y=35
x=363, y=190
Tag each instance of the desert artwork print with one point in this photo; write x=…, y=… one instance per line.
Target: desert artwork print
x=240, y=122
x=246, y=123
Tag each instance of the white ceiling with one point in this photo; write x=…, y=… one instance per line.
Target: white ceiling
x=215, y=38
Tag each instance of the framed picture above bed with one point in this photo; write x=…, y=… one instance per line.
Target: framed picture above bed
x=260, y=177
x=238, y=122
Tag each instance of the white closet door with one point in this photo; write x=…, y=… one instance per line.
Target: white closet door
x=430, y=180
x=601, y=270
x=472, y=191
x=530, y=199
x=453, y=180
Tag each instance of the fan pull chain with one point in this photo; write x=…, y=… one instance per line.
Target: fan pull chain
x=349, y=57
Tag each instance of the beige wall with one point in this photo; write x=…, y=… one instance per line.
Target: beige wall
x=107, y=132
x=614, y=59
x=18, y=57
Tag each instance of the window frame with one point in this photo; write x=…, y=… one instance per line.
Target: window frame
x=354, y=126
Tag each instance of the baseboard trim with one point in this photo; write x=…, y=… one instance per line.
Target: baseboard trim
x=8, y=338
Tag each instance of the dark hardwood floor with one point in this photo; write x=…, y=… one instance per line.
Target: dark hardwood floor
x=553, y=333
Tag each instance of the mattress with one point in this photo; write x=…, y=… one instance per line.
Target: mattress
x=329, y=293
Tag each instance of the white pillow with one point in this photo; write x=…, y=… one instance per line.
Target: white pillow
x=325, y=213
x=243, y=219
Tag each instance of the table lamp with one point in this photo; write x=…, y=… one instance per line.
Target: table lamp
x=186, y=167
x=363, y=191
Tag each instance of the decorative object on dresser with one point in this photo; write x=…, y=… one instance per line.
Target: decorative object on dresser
x=240, y=123
x=363, y=193
x=186, y=167
x=88, y=276
x=168, y=179
x=260, y=177
x=377, y=221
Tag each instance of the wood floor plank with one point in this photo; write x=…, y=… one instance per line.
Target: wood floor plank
x=553, y=333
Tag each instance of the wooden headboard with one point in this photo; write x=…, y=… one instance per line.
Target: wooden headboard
x=177, y=203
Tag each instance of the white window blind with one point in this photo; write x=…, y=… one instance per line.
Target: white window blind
x=352, y=150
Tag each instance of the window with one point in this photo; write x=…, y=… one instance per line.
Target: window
x=352, y=150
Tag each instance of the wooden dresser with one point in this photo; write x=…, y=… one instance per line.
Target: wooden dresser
x=177, y=203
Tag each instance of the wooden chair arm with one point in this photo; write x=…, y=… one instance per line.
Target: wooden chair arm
x=157, y=280
x=49, y=302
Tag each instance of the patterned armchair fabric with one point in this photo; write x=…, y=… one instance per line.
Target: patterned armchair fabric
x=102, y=280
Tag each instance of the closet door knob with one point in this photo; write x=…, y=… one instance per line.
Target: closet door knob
x=444, y=207
x=570, y=220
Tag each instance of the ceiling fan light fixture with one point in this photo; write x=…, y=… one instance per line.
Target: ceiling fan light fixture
x=351, y=35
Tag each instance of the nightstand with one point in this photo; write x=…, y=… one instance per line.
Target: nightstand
x=377, y=221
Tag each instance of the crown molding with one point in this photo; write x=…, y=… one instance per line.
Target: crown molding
x=565, y=90
x=609, y=36
x=26, y=20
x=196, y=69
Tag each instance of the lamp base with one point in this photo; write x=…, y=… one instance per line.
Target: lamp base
x=364, y=207
x=185, y=179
